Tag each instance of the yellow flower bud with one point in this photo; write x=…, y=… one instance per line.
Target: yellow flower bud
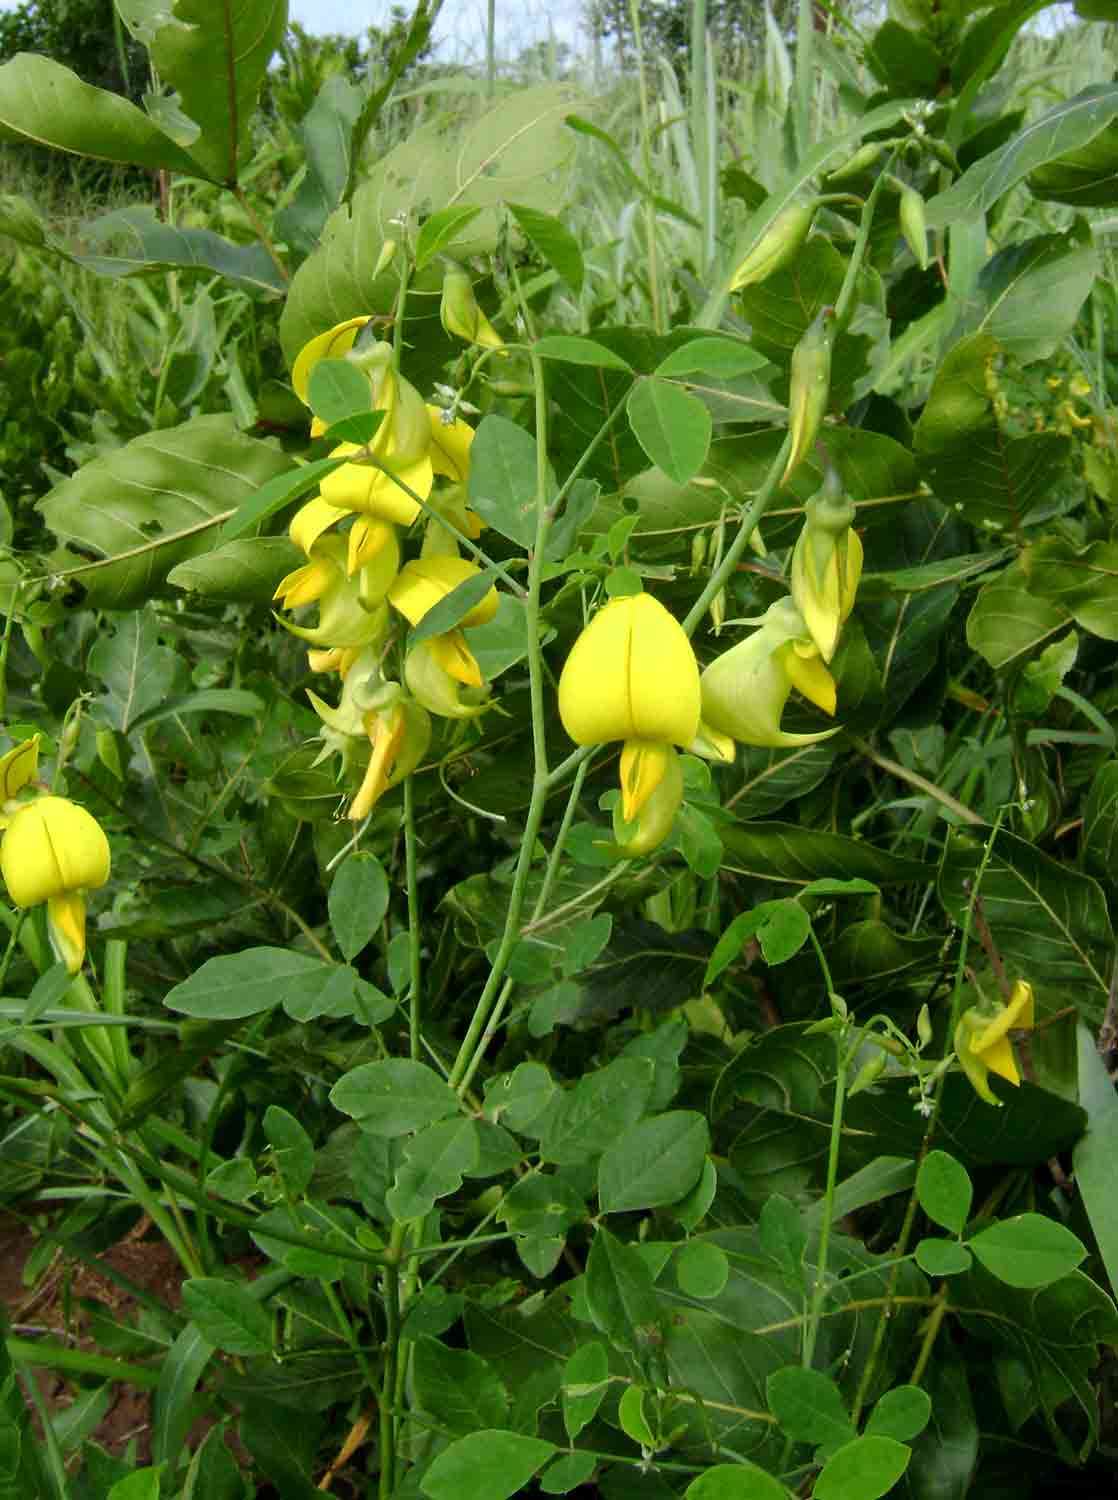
x=462, y=317
x=745, y=689
x=826, y=566
x=450, y=446
x=54, y=851
x=399, y=736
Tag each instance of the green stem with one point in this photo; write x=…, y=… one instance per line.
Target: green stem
x=12, y=944
x=913, y=778
x=843, y=1052
x=646, y=161
x=414, y=930
x=931, y=1332
x=391, y=1292
x=345, y=1327
x=805, y=69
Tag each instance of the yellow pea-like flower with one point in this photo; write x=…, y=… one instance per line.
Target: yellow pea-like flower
x=335, y=343
x=18, y=766
x=982, y=1042
x=54, y=851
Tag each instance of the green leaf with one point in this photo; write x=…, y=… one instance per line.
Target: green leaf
x=671, y=426
x=245, y=571
x=553, y=241
x=788, y=852
x=574, y=350
x=214, y=1473
x=502, y=641
x=292, y=484
x=1068, y=938
x=944, y=1190
x=519, y=147
x=502, y=485
x=441, y=229
x=585, y=1382
x=152, y=498
x=215, y=56
x=944, y=1455
x=809, y=1407
x=337, y=389
x=247, y=983
x=460, y=1390
x=393, y=1097
x=326, y=133
x=568, y=1472
x=722, y=358
x=701, y=1269
x=1083, y=177
x=654, y=1162
x=489, y=1465
x=284, y=1449
x=131, y=241
x=902, y=1414
x=1096, y=1153
x=44, y=104
x=236, y=701
x=227, y=1316
x=293, y=1147
x=783, y=1234
x=863, y=1470
x=358, y=901
x=773, y=778
x=1028, y=1250
x=943, y=1257
x=446, y=614
x=584, y=1120
x=741, y=1481
x=1082, y=581
x=143, y=1484
x=1031, y=293
x=619, y=1294
x=138, y=672
x=435, y=1161
x=1064, y=128
x=47, y=992
x=1007, y=623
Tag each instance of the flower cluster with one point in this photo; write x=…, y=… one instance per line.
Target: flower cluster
x=351, y=534
x=52, y=850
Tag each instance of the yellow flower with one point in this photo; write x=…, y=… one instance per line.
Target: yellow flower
x=982, y=1042
x=367, y=537
x=335, y=343
x=398, y=731
x=745, y=689
x=401, y=446
x=18, y=766
x=434, y=666
x=827, y=565
x=54, y=851
x=350, y=610
x=632, y=676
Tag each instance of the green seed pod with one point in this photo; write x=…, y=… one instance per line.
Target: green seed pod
x=860, y=163
x=810, y=387
x=868, y=1074
x=781, y=241
x=913, y=225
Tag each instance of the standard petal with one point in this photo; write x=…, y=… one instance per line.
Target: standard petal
x=663, y=675
x=310, y=521
x=332, y=344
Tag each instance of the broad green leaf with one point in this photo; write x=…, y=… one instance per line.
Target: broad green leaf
x=247, y=983
x=143, y=1484
x=227, y=1316
x=773, y=778
x=282, y=1448
x=574, y=350
x=721, y=357
x=138, y=672
x=502, y=483
x=943, y=1187
x=1084, y=582
x=585, y=1384
x=42, y=103
x=939, y=1257
x=435, y=1161
x=151, y=501
x=672, y=426
x=442, y=229
x=865, y=1469
x=393, y=1097
x=1068, y=938
x=236, y=701
x=586, y=1119
x=944, y=1455
x=568, y=1472
x=1064, y=128
x=337, y=389
x=619, y=1294
x=1028, y=1250
x=518, y=149
x=216, y=55
x=902, y=1414
x=291, y=484
x=214, y=1473
x=781, y=927
x=809, y=1407
x=789, y=853
x=1030, y=294
x=326, y=133
x=1007, y=622
x=1083, y=177
x=553, y=241
x=1096, y=1153
x=293, y=1148
x=245, y=571
x=457, y=1388
x=131, y=241
x=358, y=901
x=654, y=1162
x=701, y=1269
x=740, y=1481
x=488, y=1465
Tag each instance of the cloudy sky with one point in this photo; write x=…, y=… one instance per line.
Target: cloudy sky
x=461, y=25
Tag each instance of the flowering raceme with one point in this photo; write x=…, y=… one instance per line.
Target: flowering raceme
x=827, y=565
x=632, y=676
x=438, y=668
x=745, y=689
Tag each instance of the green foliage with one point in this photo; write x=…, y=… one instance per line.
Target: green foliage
x=514, y=1116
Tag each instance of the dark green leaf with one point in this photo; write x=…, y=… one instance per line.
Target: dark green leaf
x=944, y=1189
x=586, y=1119
x=435, y=1161
x=244, y=984
x=654, y=1162
x=671, y=426
x=1028, y=1250
x=809, y=1407
x=1096, y=1153
x=619, y=1294
x=227, y=1316
x=489, y=1465
x=553, y=241
x=447, y=613
x=457, y=1388
x=358, y=901
x=865, y=1469
x=393, y=1097
x=245, y=571
x=787, y=852
x=574, y=350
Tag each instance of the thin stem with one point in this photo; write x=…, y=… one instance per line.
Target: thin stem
x=549, y=875
x=490, y=49
x=261, y=233
x=842, y=1062
x=646, y=162
x=9, y=951
x=391, y=1292
x=902, y=773
x=414, y=931
x=931, y=1331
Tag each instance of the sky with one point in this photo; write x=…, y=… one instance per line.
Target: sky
x=460, y=30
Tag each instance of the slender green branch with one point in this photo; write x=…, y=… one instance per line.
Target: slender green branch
x=414, y=930
x=913, y=778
